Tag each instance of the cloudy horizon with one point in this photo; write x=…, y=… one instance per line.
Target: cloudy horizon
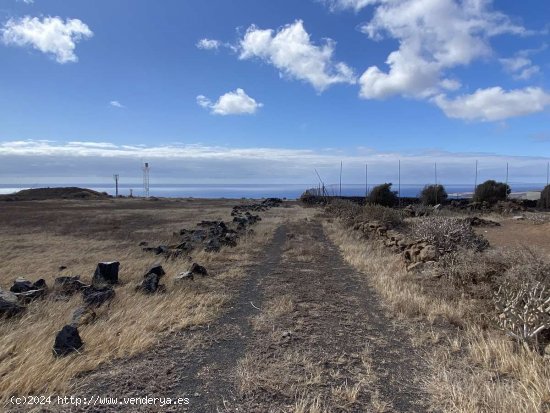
x=42, y=161
x=269, y=92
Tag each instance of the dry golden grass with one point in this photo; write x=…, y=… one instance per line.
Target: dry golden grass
x=389, y=276
x=473, y=370
x=40, y=236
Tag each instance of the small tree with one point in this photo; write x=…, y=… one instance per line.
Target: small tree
x=383, y=195
x=433, y=195
x=544, y=201
x=491, y=192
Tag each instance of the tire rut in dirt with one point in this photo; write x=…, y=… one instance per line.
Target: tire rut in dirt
x=212, y=379
x=323, y=342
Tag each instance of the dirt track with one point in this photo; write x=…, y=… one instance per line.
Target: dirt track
x=305, y=334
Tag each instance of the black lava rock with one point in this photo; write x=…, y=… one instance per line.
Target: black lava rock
x=106, y=273
x=96, y=296
x=67, y=341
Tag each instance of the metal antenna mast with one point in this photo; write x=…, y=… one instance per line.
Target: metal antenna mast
x=399, y=179
x=475, y=184
x=435, y=187
x=341, y=165
x=321, y=181
x=146, y=170
x=506, y=180
x=116, y=176
x=366, y=180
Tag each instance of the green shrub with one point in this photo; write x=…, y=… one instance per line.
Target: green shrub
x=433, y=195
x=491, y=192
x=383, y=195
x=544, y=201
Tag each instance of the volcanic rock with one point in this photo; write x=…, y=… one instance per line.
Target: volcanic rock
x=67, y=341
x=106, y=273
x=96, y=296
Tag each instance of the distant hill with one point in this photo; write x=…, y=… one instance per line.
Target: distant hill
x=54, y=193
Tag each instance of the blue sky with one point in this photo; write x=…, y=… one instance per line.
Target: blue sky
x=265, y=91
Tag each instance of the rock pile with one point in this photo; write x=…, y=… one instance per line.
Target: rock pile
x=151, y=280
x=9, y=305
x=480, y=222
x=211, y=236
x=195, y=269
x=414, y=252
x=69, y=285
x=27, y=291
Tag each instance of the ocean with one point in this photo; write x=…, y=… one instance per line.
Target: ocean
x=289, y=191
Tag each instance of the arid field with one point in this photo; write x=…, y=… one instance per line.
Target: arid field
x=315, y=309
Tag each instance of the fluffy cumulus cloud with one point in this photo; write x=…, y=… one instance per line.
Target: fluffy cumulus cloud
x=434, y=36
x=50, y=35
x=208, y=44
x=33, y=161
x=292, y=52
x=232, y=103
x=494, y=104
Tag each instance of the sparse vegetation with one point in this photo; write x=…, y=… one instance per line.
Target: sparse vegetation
x=383, y=195
x=433, y=194
x=388, y=216
x=477, y=368
x=39, y=238
x=447, y=234
x=491, y=192
x=351, y=213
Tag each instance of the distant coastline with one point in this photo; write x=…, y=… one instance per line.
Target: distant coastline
x=289, y=191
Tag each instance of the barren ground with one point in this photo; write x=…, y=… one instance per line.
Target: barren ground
x=303, y=334
x=514, y=233
x=301, y=317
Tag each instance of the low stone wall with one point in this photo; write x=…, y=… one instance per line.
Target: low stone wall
x=415, y=253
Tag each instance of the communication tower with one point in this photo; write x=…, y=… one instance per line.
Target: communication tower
x=146, y=170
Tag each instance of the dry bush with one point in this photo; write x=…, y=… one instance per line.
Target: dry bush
x=524, y=311
x=346, y=210
x=447, y=234
x=479, y=279
x=388, y=216
x=350, y=213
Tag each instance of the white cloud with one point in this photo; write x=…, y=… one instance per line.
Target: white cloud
x=35, y=161
x=521, y=67
x=116, y=104
x=433, y=36
x=208, y=44
x=355, y=5
x=27, y=1
x=232, y=103
x=291, y=51
x=494, y=103
x=49, y=35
